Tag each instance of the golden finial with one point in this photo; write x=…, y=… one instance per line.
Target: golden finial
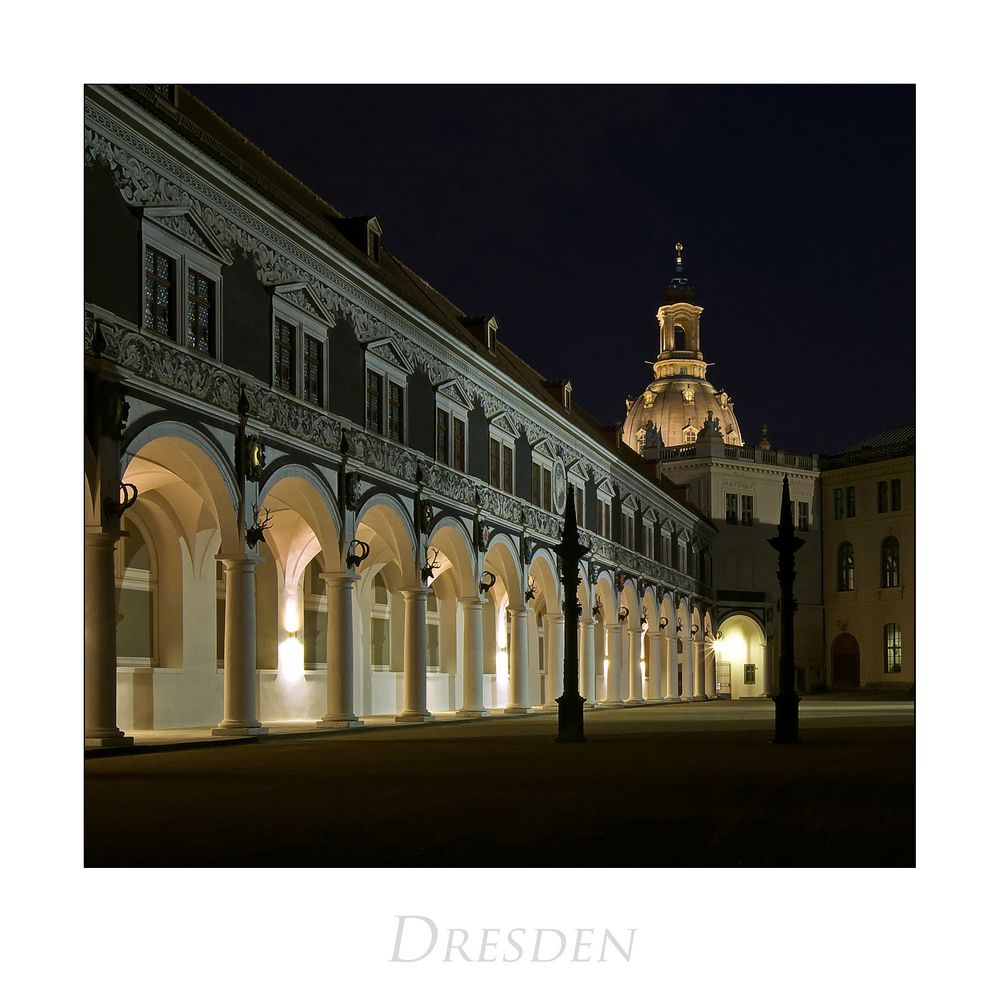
x=679, y=247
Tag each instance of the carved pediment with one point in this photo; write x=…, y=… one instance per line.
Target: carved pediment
x=302, y=296
x=503, y=423
x=452, y=389
x=387, y=350
x=184, y=223
x=543, y=447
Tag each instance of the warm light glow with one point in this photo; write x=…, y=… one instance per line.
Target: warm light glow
x=503, y=678
x=291, y=660
x=605, y=667
x=291, y=616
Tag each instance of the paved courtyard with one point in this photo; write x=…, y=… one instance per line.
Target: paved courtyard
x=672, y=785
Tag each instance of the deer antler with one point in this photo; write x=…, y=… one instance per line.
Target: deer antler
x=427, y=570
x=255, y=532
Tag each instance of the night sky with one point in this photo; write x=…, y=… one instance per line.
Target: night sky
x=556, y=208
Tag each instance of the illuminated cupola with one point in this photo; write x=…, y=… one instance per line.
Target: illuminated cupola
x=674, y=407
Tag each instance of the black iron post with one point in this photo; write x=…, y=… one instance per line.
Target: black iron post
x=570, y=702
x=786, y=701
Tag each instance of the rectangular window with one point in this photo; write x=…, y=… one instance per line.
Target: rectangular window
x=442, y=435
x=749, y=673
x=380, y=641
x=312, y=370
x=838, y=503
x=606, y=519
x=578, y=500
x=396, y=412
x=746, y=510
x=508, y=469
x=536, y=484
x=284, y=355
x=494, y=463
x=893, y=660
x=158, y=293
x=883, y=496
x=433, y=659
x=803, y=512
x=547, y=488
x=647, y=548
x=897, y=494
x=373, y=402
x=851, y=501
x=732, y=509
x=200, y=309
x=458, y=444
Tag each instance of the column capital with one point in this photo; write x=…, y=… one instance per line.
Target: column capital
x=340, y=578
x=97, y=537
x=655, y=634
x=414, y=593
x=238, y=561
x=635, y=631
x=518, y=613
x=554, y=617
x=472, y=602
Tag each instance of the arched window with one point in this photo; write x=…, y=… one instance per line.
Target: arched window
x=845, y=566
x=893, y=648
x=680, y=343
x=690, y=435
x=890, y=562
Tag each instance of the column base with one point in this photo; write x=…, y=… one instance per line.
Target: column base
x=111, y=740
x=672, y=699
x=590, y=703
x=549, y=706
x=612, y=704
x=414, y=717
x=700, y=697
x=686, y=697
x=518, y=710
x=238, y=730
x=636, y=701
x=472, y=713
x=339, y=722
x=655, y=701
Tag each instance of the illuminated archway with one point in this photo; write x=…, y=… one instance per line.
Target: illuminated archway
x=741, y=657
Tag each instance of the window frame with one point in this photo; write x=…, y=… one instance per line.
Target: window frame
x=889, y=581
x=892, y=648
x=304, y=325
x=851, y=501
x=846, y=582
x=456, y=411
x=838, y=503
x=802, y=515
x=546, y=464
x=504, y=440
x=746, y=510
x=390, y=374
x=186, y=257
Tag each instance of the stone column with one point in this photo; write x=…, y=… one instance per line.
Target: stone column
x=670, y=659
x=472, y=660
x=698, y=666
x=710, y=671
x=414, y=656
x=555, y=644
x=687, y=676
x=589, y=667
x=635, y=667
x=240, y=651
x=339, y=652
x=518, y=653
x=655, y=691
x=614, y=698
x=100, y=642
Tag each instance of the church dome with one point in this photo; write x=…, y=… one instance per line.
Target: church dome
x=675, y=406
x=674, y=409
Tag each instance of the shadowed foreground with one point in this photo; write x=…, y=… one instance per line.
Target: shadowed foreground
x=670, y=786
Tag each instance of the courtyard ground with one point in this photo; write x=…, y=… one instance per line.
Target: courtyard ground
x=670, y=785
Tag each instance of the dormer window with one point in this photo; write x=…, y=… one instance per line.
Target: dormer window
x=374, y=239
x=567, y=394
x=491, y=334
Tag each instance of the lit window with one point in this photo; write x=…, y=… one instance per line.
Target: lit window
x=690, y=435
x=158, y=293
x=374, y=401
x=458, y=444
x=893, y=648
x=802, y=508
x=845, y=567
x=284, y=355
x=396, y=412
x=749, y=673
x=200, y=310
x=312, y=365
x=890, y=562
x=746, y=510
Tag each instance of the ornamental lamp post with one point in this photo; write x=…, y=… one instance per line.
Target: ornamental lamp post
x=786, y=701
x=570, y=702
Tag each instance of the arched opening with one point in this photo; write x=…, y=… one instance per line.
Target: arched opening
x=741, y=658
x=547, y=624
x=605, y=612
x=504, y=599
x=845, y=662
x=680, y=338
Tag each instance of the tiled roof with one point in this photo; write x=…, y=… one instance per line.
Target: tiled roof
x=902, y=435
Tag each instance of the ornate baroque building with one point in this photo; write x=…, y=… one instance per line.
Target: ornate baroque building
x=316, y=490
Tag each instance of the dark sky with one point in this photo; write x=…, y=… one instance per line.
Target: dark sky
x=556, y=208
